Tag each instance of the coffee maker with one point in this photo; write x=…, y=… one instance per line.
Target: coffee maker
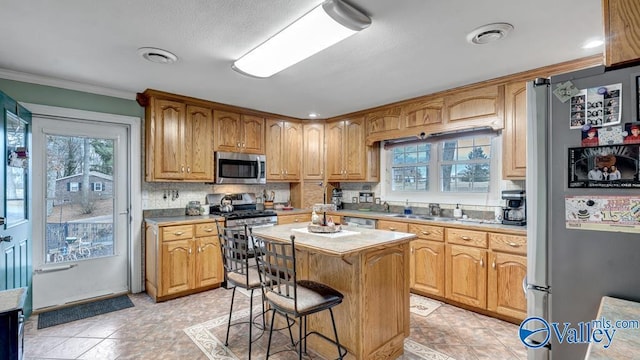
x=515, y=213
x=336, y=198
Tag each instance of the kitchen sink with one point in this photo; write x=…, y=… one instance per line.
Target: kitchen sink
x=422, y=217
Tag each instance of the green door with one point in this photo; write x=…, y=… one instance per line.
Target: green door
x=15, y=198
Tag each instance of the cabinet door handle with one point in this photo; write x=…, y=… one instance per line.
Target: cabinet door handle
x=188, y=169
x=465, y=238
x=243, y=145
x=493, y=265
x=296, y=220
x=412, y=249
x=392, y=229
x=178, y=233
x=199, y=249
x=512, y=244
x=181, y=168
x=208, y=229
x=426, y=233
x=286, y=172
x=190, y=251
x=238, y=144
x=481, y=262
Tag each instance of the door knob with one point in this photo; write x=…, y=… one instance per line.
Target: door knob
x=7, y=238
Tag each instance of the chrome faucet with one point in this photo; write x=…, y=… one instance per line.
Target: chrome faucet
x=434, y=209
x=386, y=206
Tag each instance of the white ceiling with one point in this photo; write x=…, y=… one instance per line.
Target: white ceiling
x=412, y=48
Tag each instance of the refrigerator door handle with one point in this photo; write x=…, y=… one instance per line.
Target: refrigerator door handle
x=524, y=285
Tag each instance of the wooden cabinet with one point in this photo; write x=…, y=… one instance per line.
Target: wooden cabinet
x=235, y=132
x=621, y=29
x=392, y=225
x=474, y=108
x=508, y=268
x=178, y=141
x=422, y=113
x=313, y=151
x=514, y=134
x=466, y=266
x=294, y=218
x=427, y=272
x=284, y=149
x=384, y=121
x=182, y=259
x=346, y=151
x=466, y=275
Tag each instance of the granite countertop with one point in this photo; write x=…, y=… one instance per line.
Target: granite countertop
x=182, y=219
x=466, y=224
x=12, y=300
x=350, y=241
x=625, y=342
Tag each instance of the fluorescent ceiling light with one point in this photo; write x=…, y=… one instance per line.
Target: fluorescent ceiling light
x=325, y=25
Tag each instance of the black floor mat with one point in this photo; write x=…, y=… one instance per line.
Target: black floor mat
x=82, y=311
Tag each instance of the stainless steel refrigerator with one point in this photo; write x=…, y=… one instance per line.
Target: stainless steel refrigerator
x=571, y=269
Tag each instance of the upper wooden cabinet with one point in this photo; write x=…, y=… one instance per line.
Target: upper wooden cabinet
x=284, y=149
x=514, y=134
x=313, y=151
x=235, y=132
x=474, y=108
x=346, y=152
x=422, y=113
x=178, y=138
x=621, y=29
x=384, y=121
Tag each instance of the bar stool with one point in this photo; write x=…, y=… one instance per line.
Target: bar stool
x=289, y=296
x=236, y=245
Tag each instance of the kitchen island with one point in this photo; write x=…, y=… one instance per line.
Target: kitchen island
x=371, y=269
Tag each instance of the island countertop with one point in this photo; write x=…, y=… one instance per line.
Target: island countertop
x=350, y=241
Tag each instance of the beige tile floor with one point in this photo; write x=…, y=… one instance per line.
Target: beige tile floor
x=156, y=331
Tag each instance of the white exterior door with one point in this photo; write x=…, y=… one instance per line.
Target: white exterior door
x=81, y=221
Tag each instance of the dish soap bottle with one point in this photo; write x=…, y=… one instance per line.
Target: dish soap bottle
x=407, y=208
x=457, y=212
x=315, y=219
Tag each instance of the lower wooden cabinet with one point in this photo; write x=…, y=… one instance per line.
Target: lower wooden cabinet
x=505, y=294
x=466, y=275
x=427, y=267
x=294, y=218
x=508, y=268
x=182, y=259
x=427, y=259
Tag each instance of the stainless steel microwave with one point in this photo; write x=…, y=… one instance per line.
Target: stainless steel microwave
x=240, y=168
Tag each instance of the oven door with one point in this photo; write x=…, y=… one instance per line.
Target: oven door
x=238, y=168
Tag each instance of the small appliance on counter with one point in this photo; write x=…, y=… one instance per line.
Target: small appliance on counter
x=336, y=198
x=366, y=197
x=193, y=208
x=515, y=213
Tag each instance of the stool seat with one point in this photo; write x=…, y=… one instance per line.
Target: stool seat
x=312, y=297
x=249, y=280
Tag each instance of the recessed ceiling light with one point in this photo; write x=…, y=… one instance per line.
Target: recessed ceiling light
x=313, y=115
x=489, y=33
x=593, y=43
x=156, y=55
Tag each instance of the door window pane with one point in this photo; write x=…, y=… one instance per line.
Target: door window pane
x=16, y=169
x=80, y=199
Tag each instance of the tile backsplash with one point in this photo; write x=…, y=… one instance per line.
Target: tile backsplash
x=178, y=195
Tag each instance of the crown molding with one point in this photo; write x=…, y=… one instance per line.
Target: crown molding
x=65, y=84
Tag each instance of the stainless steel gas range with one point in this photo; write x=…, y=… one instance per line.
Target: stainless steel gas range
x=243, y=210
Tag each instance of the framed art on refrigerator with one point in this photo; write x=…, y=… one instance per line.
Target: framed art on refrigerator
x=615, y=166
